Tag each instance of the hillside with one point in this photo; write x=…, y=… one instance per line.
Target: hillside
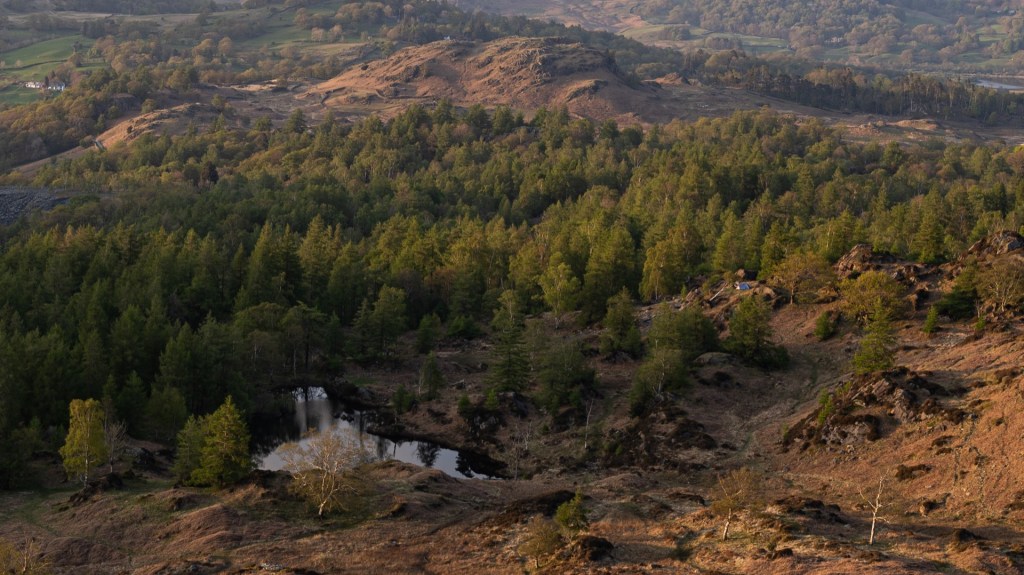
x=522, y=73
x=610, y=15
x=944, y=450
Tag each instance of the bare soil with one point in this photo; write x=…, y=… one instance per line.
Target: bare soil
x=951, y=487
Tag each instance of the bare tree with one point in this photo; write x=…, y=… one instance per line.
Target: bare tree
x=1002, y=285
x=520, y=446
x=319, y=465
x=875, y=506
x=115, y=437
x=586, y=428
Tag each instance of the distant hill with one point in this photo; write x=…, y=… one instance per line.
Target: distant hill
x=524, y=73
x=969, y=36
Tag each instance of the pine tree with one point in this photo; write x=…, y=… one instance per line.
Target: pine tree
x=224, y=457
x=620, y=331
x=364, y=329
x=510, y=367
x=388, y=318
x=431, y=379
x=378, y=327
x=541, y=539
x=316, y=256
x=877, y=347
x=729, y=255
x=571, y=516
x=750, y=334
x=824, y=326
x=928, y=241
x=562, y=373
x=84, y=447
x=611, y=266
x=165, y=414
x=428, y=332
x=296, y=123
x=402, y=400
x=931, y=321
x=190, y=449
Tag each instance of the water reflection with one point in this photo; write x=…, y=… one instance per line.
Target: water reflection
x=314, y=411
x=427, y=453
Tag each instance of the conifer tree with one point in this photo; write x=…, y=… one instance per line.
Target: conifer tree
x=224, y=458
x=165, y=414
x=750, y=334
x=190, y=448
x=316, y=256
x=571, y=516
x=931, y=321
x=510, y=367
x=431, y=379
x=877, y=347
x=620, y=331
x=611, y=266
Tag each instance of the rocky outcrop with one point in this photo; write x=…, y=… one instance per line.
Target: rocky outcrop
x=862, y=258
x=16, y=202
x=997, y=244
x=864, y=408
x=659, y=439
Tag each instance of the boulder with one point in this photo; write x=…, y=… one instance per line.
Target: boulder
x=591, y=548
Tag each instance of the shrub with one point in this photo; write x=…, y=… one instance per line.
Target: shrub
x=824, y=326
x=542, y=538
x=571, y=516
x=931, y=323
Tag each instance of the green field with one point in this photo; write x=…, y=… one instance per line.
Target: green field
x=915, y=17
x=15, y=95
x=754, y=44
x=35, y=61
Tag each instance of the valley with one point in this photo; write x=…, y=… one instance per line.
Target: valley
x=667, y=287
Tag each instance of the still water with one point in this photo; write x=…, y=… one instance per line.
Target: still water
x=997, y=85
x=316, y=411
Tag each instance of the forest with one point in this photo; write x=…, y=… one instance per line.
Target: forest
x=902, y=33
x=238, y=262
x=145, y=67
x=745, y=295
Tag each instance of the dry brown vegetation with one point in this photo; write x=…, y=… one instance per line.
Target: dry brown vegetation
x=524, y=73
x=944, y=442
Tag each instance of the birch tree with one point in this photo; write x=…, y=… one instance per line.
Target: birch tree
x=319, y=466
x=84, y=447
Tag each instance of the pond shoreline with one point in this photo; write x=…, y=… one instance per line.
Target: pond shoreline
x=355, y=407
